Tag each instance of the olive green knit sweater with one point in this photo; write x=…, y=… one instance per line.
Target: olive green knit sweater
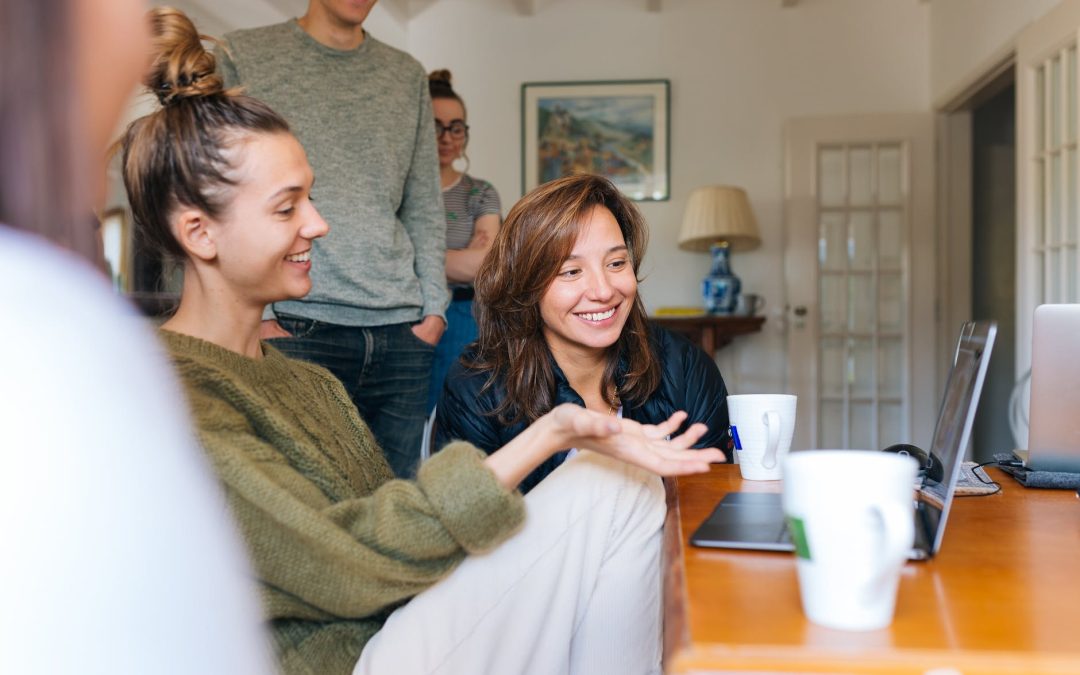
x=337, y=543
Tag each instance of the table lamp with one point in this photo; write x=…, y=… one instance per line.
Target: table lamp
x=718, y=219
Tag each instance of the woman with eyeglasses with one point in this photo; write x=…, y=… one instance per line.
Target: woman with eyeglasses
x=472, y=219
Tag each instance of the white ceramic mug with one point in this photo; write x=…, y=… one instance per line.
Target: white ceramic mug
x=761, y=426
x=749, y=304
x=851, y=516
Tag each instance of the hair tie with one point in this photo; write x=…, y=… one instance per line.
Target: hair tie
x=166, y=91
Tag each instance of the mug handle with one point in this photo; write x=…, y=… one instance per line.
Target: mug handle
x=772, y=423
x=897, y=538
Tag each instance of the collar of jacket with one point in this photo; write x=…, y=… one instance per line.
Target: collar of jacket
x=564, y=393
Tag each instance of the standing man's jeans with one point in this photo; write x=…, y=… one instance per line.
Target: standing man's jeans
x=460, y=331
x=386, y=371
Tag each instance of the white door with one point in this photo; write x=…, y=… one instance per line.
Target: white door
x=1048, y=179
x=859, y=269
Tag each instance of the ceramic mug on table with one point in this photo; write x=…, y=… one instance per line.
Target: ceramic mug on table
x=750, y=304
x=851, y=517
x=761, y=426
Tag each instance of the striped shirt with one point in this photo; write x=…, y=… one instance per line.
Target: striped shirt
x=465, y=201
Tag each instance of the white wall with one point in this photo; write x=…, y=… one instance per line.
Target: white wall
x=738, y=70
x=967, y=35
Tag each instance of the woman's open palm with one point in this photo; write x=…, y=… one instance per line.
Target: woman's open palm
x=650, y=446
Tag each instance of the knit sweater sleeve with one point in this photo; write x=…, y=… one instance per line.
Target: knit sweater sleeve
x=354, y=557
x=223, y=52
x=421, y=211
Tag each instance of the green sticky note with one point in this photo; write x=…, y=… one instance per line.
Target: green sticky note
x=798, y=537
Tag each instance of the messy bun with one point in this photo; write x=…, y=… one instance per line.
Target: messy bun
x=182, y=66
x=439, y=86
x=177, y=155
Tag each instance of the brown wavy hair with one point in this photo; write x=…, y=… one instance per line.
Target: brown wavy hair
x=177, y=156
x=537, y=237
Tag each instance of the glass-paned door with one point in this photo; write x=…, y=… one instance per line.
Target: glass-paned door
x=860, y=270
x=1048, y=168
x=1053, y=250
x=862, y=238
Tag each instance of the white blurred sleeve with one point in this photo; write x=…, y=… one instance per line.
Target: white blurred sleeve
x=117, y=554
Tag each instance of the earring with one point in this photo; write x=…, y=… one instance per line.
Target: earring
x=463, y=169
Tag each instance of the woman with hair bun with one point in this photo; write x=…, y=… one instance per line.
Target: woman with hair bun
x=361, y=572
x=561, y=321
x=473, y=213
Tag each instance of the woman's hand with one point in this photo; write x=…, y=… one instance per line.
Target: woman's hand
x=572, y=426
x=649, y=446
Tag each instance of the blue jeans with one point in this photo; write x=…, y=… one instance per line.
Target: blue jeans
x=385, y=370
x=460, y=331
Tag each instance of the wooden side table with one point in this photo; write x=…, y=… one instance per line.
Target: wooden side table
x=710, y=331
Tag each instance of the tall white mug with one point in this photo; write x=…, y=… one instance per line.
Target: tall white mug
x=851, y=516
x=761, y=426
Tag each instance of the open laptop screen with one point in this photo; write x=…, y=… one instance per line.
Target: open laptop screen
x=954, y=424
x=1054, y=434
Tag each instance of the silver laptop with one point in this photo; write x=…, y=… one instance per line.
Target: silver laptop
x=755, y=521
x=1054, y=421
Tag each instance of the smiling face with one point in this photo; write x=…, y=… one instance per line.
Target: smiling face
x=449, y=113
x=263, y=240
x=586, y=306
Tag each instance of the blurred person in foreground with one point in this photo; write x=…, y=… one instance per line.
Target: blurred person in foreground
x=118, y=552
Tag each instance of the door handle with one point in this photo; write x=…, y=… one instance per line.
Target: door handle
x=799, y=311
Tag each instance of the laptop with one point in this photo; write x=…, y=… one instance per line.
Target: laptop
x=755, y=521
x=1054, y=422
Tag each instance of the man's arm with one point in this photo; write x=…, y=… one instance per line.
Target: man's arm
x=421, y=212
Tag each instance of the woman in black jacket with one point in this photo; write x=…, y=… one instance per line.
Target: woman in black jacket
x=560, y=321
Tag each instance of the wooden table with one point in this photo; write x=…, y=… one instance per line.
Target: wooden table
x=1002, y=596
x=710, y=331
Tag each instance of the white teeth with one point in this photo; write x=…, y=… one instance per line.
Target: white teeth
x=299, y=257
x=597, y=316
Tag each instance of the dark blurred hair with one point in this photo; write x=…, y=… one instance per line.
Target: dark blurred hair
x=176, y=156
x=530, y=247
x=43, y=182
x=439, y=87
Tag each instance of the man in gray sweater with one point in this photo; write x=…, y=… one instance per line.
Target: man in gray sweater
x=362, y=111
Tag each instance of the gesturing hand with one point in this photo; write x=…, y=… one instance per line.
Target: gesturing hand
x=645, y=445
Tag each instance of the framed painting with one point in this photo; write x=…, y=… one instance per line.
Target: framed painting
x=618, y=129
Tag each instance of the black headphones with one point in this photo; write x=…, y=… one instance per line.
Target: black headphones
x=929, y=463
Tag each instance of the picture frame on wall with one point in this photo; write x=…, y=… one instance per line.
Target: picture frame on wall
x=618, y=129
x=114, y=230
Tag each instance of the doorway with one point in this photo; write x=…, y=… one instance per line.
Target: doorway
x=859, y=267
x=993, y=256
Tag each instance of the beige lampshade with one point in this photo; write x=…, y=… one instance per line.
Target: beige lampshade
x=718, y=213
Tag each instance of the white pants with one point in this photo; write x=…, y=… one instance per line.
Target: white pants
x=577, y=590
